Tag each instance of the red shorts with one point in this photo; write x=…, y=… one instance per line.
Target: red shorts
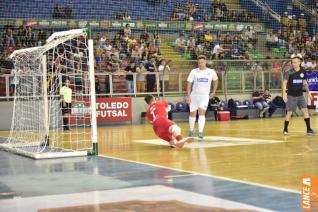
x=161, y=127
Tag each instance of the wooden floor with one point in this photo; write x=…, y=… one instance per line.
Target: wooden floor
x=279, y=161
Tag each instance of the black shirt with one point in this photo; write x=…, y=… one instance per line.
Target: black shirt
x=150, y=68
x=215, y=102
x=129, y=76
x=295, y=81
x=257, y=94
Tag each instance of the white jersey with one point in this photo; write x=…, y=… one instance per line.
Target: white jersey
x=201, y=81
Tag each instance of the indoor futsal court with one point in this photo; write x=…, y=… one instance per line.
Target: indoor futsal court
x=158, y=105
x=243, y=165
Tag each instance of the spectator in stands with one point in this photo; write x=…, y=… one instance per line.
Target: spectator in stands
x=130, y=70
x=144, y=36
x=174, y=16
x=151, y=77
x=57, y=11
x=164, y=70
x=41, y=37
x=208, y=37
x=259, y=101
x=236, y=54
x=294, y=23
x=68, y=11
x=9, y=39
x=191, y=46
x=251, y=35
x=199, y=50
x=21, y=35
x=29, y=37
x=141, y=77
x=127, y=30
x=126, y=17
x=271, y=41
x=308, y=65
x=218, y=52
x=135, y=54
x=157, y=41
x=108, y=48
x=181, y=44
x=302, y=23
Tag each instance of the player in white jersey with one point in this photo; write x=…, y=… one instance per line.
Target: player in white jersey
x=199, y=92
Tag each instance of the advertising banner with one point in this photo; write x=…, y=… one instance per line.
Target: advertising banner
x=107, y=110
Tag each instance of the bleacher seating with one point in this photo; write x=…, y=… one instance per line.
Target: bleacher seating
x=94, y=9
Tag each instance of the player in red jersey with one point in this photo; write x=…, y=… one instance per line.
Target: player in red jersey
x=164, y=128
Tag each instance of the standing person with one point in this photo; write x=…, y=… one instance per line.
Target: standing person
x=199, y=93
x=164, y=128
x=66, y=103
x=164, y=70
x=130, y=70
x=293, y=83
x=151, y=78
x=141, y=78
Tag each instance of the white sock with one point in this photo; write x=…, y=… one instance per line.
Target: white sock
x=191, y=122
x=201, y=123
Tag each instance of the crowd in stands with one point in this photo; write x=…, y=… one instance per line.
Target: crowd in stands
x=62, y=12
x=217, y=12
x=22, y=37
x=217, y=46
x=123, y=15
x=125, y=53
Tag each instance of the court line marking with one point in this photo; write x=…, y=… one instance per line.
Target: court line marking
x=179, y=175
x=207, y=175
x=214, y=142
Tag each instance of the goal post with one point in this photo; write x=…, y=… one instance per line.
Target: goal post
x=44, y=125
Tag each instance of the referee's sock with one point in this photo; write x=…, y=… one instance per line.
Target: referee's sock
x=307, y=121
x=286, y=126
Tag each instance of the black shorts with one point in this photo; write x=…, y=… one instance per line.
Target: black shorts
x=67, y=109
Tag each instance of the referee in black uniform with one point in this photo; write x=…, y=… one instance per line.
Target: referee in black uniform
x=293, y=84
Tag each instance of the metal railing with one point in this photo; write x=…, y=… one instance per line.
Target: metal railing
x=110, y=85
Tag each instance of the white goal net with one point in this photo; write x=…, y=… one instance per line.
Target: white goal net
x=47, y=122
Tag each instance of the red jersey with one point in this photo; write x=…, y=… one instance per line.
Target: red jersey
x=157, y=109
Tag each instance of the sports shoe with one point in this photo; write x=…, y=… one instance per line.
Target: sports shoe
x=310, y=132
x=181, y=143
x=200, y=135
x=285, y=132
x=191, y=133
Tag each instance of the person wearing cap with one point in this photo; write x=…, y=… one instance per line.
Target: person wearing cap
x=293, y=84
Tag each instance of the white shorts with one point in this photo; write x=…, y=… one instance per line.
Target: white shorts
x=199, y=102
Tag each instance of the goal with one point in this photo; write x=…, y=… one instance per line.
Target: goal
x=40, y=126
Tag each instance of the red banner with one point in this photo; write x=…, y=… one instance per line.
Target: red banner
x=313, y=103
x=107, y=110
x=113, y=109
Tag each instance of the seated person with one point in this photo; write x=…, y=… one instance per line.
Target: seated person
x=216, y=105
x=259, y=101
x=268, y=98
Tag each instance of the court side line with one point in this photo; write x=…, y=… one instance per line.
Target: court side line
x=179, y=175
x=207, y=175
